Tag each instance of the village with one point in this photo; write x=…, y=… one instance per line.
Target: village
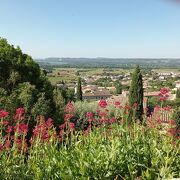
x=102, y=83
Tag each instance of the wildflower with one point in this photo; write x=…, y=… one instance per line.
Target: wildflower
x=112, y=120
x=102, y=114
x=172, y=122
x=49, y=123
x=1, y=147
x=167, y=108
x=7, y=144
x=21, y=128
x=9, y=129
x=163, y=94
x=159, y=120
x=164, y=91
x=69, y=108
x=62, y=126
x=68, y=117
x=171, y=131
x=5, y=123
x=117, y=103
x=45, y=136
x=3, y=114
x=89, y=114
x=102, y=103
x=127, y=107
x=71, y=125
x=162, y=99
x=20, y=111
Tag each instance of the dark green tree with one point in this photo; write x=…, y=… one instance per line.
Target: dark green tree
x=118, y=87
x=23, y=80
x=79, y=90
x=136, y=94
x=178, y=93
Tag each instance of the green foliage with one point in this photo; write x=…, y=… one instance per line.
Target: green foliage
x=176, y=117
x=136, y=93
x=41, y=107
x=178, y=93
x=59, y=102
x=16, y=67
x=79, y=90
x=117, y=153
x=118, y=87
x=104, y=82
x=22, y=83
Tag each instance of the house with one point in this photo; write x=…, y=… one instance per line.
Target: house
x=178, y=85
x=96, y=95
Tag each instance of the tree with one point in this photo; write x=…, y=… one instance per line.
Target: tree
x=136, y=94
x=176, y=117
x=22, y=79
x=79, y=90
x=41, y=107
x=178, y=93
x=118, y=87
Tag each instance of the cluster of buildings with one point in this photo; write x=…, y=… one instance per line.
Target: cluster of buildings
x=94, y=92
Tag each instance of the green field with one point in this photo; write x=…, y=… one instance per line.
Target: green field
x=70, y=74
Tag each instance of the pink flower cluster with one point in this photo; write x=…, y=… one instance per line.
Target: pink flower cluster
x=163, y=94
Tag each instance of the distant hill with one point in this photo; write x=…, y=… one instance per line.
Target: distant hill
x=108, y=62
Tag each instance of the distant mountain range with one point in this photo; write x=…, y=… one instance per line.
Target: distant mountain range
x=108, y=62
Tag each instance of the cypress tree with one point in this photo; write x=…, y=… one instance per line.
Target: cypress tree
x=178, y=93
x=118, y=87
x=79, y=90
x=136, y=94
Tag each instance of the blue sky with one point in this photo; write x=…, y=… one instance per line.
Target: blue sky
x=92, y=28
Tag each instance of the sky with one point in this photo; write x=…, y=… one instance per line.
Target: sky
x=93, y=28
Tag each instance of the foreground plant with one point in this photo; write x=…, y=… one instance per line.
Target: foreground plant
x=109, y=147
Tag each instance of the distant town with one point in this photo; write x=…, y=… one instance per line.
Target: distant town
x=101, y=83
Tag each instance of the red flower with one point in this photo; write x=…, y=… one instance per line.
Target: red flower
x=71, y=125
x=163, y=94
x=68, y=117
x=164, y=91
x=49, y=123
x=102, y=114
x=127, y=107
x=102, y=103
x=21, y=128
x=89, y=114
x=9, y=129
x=117, y=103
x=1, y=147
x=112, y=120
x=5, y=123
x=3, y=114
x=162, y=99
x=62, y=126
x=69, y=108
x=172, y=122
x=159, y=121
x=45, y=136
x=7, y=144
x=168, y=108
x=20, y=111
x=171, y=131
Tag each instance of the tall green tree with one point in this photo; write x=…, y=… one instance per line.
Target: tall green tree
x=79, y=90
x=136, y=94
x=178, y=93
x=118, y=87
